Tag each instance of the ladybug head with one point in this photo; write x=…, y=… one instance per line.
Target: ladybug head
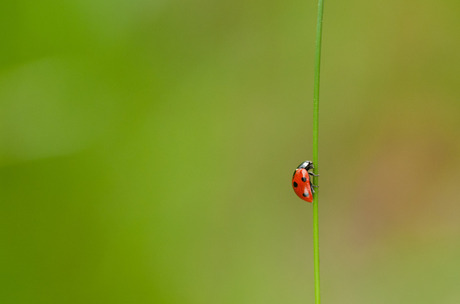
x=307, y=165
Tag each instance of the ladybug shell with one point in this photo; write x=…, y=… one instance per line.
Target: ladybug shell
x=301, y=185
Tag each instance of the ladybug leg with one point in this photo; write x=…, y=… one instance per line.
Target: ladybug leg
x=312, y=187
x=312, y=174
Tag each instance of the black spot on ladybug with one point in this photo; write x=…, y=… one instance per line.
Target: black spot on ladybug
x=295, y=184
x=305, y=194
x=304, y=179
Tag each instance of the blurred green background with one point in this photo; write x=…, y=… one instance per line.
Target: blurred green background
x=147, y=149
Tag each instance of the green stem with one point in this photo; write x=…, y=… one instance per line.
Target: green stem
x=319, y=29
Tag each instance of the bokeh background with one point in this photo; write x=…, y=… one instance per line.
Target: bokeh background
x=147, y=149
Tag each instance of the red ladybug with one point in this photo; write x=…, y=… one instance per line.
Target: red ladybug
x=301, y=181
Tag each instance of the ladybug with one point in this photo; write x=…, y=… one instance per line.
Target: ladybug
x=301, y=181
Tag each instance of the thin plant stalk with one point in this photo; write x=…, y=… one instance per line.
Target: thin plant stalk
x=319, y=29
